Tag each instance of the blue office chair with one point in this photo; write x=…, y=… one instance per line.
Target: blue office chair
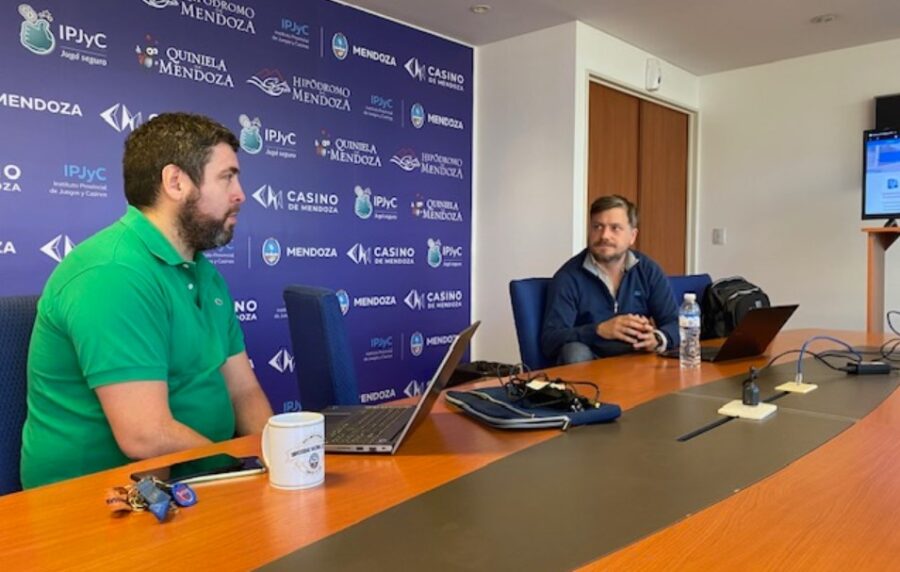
x=16, y=322
x=322, y=358
x=529, y=297
x=696, y=283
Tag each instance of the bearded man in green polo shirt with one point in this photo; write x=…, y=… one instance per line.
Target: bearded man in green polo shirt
x=136, y=351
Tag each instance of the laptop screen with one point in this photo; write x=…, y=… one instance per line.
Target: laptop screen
x=441, y=377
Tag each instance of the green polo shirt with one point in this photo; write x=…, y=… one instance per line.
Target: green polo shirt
x=124, y=306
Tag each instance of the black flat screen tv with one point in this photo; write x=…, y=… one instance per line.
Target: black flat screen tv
x=881, y=174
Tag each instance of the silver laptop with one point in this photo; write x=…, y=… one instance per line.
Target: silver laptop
x=381, y=428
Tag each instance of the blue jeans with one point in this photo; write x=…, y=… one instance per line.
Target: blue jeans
x=574, y=352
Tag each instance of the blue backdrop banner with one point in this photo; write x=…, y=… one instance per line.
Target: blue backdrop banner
x=356, y=155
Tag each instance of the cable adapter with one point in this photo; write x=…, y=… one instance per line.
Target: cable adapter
x=868, y=368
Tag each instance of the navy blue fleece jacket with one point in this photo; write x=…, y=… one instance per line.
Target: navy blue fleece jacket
x=577, y=301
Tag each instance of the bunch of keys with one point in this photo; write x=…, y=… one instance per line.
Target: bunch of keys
x=151, y=494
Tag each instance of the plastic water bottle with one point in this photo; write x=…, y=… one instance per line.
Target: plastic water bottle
x=689, y=328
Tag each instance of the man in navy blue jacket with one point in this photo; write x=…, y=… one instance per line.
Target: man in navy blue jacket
x=608, y=299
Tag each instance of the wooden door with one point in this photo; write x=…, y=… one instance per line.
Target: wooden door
x=662, y=189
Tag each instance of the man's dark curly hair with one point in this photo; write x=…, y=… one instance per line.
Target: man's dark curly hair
x=182, y=139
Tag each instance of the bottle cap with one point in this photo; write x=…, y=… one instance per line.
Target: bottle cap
x=690, y=297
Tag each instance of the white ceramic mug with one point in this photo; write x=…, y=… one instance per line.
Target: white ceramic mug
x=293, y=448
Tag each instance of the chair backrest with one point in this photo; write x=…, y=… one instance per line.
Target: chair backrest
x=16, y=322
x=529, y=297
x=322, y=359
x=696, y=283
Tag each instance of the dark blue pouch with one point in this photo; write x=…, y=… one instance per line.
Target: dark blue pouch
x=492, y=406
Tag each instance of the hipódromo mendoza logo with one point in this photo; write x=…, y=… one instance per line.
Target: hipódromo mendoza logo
x=270, y=82
x=159, y=4
x=222, y=13
x=407, y=160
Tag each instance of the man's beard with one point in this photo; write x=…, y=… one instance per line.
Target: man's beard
x=201, y=232
x=606, y=258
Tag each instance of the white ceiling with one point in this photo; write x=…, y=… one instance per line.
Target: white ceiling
x=700, y=36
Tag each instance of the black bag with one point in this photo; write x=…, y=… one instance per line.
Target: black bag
x=724, y=304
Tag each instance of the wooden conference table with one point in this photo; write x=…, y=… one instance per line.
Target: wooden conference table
x=836, y=508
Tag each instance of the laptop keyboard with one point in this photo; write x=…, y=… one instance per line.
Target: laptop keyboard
x=375, y=425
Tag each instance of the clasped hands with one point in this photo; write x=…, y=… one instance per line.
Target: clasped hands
x=631, y=328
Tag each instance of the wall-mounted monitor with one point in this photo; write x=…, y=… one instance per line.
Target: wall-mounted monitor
x=881, y=174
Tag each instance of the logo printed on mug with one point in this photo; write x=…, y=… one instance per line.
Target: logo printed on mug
x=306, y=456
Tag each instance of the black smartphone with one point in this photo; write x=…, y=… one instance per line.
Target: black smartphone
x=210, y=468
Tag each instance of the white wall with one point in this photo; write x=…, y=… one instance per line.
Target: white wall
x=780, y=170
x=524, y=102
x=531, y=108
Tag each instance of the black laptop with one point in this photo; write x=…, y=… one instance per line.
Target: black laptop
x=381, y=428
x=750, y=338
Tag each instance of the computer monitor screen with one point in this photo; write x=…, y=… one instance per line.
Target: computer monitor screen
x=881, y=174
